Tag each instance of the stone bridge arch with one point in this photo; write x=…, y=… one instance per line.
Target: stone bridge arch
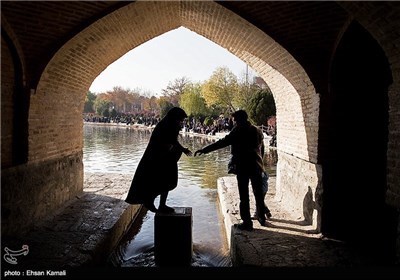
x=60, y=92
x=51, y=136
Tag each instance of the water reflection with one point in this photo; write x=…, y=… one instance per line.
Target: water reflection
x=113, y=149
x=119, y=150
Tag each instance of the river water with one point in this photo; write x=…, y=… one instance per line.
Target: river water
x=112, y=149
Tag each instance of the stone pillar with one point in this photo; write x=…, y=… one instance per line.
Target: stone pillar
x=173, y=237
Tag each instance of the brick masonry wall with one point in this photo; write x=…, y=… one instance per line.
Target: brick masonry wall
x=32, y=192
x=295, y=97
x=56, y=107
x=299, y=188
x=7, y=111
x=381, y=20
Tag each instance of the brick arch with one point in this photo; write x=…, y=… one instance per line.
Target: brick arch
x=290, y=85
x=373, y=19
x=8, y=31
x=15, y=95
x=56, y=107
x=71, y=71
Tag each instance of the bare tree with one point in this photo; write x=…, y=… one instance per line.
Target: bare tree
x=175, y=89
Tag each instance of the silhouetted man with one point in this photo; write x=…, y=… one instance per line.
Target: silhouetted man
x=247, y=149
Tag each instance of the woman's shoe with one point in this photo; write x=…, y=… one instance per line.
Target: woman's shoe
x=150, y=206
x=165, y=209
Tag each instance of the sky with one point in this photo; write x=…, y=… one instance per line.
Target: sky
x=172, y=55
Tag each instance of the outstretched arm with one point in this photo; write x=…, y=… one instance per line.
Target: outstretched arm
x=199, y=152
x=222, y=143
x=185, y=150
x=188, y=152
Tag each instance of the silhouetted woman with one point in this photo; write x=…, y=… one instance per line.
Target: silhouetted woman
x=157, y=172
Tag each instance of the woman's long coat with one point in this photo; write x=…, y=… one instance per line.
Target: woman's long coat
x=157, y=171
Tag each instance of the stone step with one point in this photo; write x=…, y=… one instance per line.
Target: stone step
x=81, y=234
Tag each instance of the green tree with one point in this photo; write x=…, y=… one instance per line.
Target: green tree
x=261, y=107
x=106, y=113
x=89, y=102
x=208, y=121
x=247, y=88
x=113, y=113
x=165, y=106
x=102, y=106
x=192, y=101
x=221, y=90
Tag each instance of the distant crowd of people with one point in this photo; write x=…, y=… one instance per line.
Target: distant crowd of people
x=191, y=124
x=138, y=118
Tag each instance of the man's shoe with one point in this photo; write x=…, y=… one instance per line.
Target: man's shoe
x=267, y=214
x=262, y=222
x=243, y=226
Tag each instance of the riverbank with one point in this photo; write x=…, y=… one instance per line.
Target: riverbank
x=215, y=137
x=121, y=125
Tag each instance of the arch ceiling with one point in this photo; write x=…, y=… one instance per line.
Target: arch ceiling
x=275, y=38
x=63, y=46
x=79, y=61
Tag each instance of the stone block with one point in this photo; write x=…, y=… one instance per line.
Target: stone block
x=173, y=237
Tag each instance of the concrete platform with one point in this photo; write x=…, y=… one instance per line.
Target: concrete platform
x=286, y=241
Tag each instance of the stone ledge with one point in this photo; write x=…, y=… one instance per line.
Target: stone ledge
x=83, y=233
x=286, y=241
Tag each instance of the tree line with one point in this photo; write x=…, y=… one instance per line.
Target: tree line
x=223, y=93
